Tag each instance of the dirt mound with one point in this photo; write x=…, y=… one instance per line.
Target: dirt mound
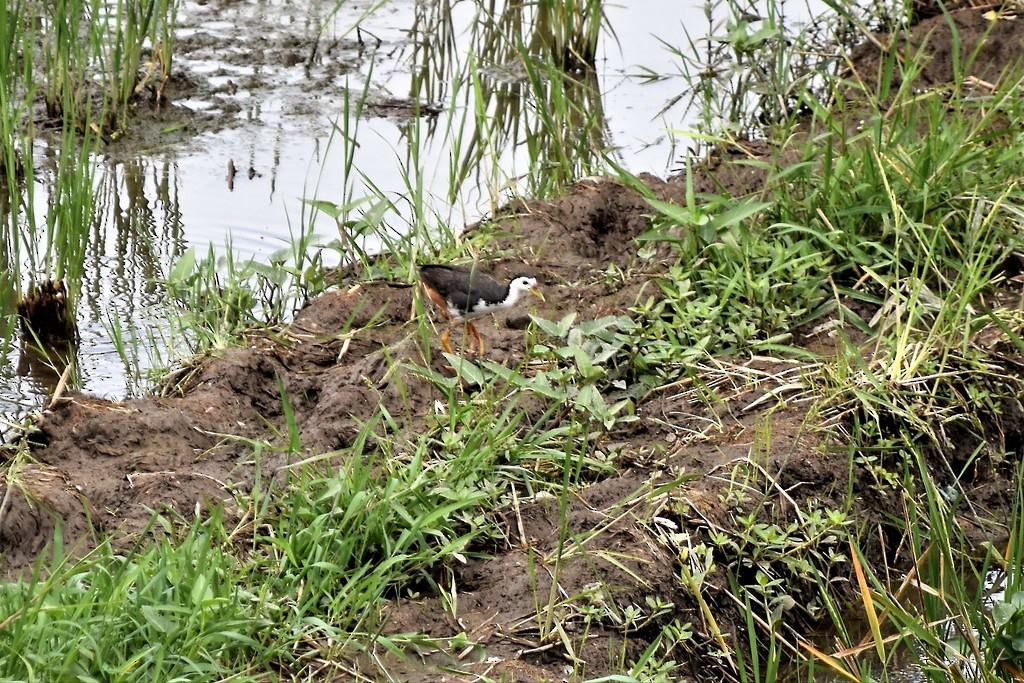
x=618, y=568
x=983, y=45
x=593, y=226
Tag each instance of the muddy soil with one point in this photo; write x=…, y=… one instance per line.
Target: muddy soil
x=101, y=468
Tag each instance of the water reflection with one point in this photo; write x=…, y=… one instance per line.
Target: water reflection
x=514, y=110
x=136, y=232
x=43, y=369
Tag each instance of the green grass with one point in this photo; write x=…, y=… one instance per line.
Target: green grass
x=81, y=40
x=174, y=610
x=70, y=73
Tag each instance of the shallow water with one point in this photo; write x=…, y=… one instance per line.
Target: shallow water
x=272, y=117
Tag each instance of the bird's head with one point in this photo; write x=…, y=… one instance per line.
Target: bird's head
x=525, y=284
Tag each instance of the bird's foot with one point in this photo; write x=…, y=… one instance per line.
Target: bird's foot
x=446, y=342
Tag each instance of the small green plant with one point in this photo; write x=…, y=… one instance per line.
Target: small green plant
x=778, y=556
x=734, y=288
x=217, y=297
x=1006, y=646
x=212, y=312
x=580, y=365
x=589, y=363
x=654, y=664
x=360, y=222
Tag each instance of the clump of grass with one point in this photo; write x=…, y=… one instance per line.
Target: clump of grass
x=732, y=287
x=343, y=540
x=509, y=92
x=568, y=32
x=83, y=60
x=213, y=312
x=92, y=57
x=566, y=136
x=752, y=72
x=219, y=298
x=173, y=610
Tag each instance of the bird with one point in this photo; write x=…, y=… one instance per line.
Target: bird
x=465, y=293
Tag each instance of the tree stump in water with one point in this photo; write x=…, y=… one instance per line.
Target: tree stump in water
x=45, y=317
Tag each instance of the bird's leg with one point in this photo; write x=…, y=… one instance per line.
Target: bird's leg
x=471, y=329
x=446, y=340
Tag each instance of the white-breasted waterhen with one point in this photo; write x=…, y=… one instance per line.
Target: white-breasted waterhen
x=466, y=293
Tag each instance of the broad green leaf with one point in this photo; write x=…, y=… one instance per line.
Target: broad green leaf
x=553, y=329
x=679, y=215
x=201, y=591
x=738, y=214
x=465, y=369
x=329, y=208
x=1002, y=612
x=184, y=267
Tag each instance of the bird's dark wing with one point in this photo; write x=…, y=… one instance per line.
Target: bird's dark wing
x=440, y=278
x=462, y=301
x=483, y=287
x=463, y=287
